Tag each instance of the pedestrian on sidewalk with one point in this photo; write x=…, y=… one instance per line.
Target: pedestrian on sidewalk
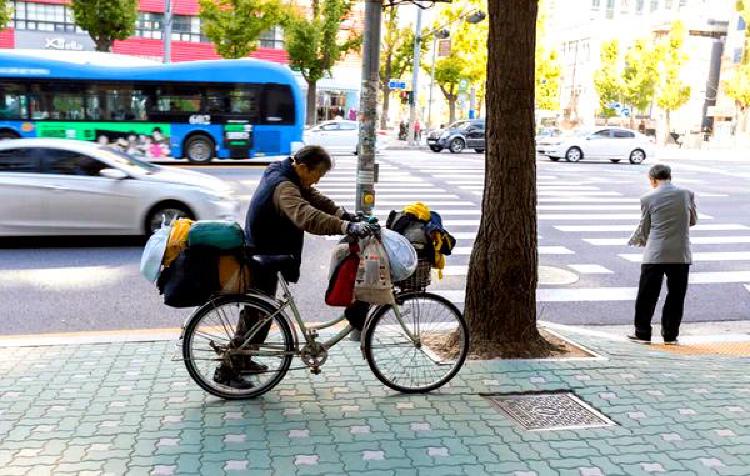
x=417, y=130
x=667, y=213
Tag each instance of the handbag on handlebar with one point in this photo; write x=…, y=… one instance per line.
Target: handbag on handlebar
x=373, y=282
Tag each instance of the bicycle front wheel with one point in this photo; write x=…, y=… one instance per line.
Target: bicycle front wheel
x=237, y=336
x=426, y=357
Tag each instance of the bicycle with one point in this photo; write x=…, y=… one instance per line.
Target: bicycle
x=401, y=343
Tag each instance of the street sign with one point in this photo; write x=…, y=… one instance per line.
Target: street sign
x=394, y=84
x=625, y=112
x=444, y=48
x=462, y=85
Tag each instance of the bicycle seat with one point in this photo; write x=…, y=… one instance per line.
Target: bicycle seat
x=275, y=263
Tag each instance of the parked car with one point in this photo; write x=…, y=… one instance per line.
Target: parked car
x=611, y=143
x=66, y=187
x=340, y=136
x=547, y=133
x=459, y=136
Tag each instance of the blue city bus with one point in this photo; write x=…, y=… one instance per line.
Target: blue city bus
x=225, y=109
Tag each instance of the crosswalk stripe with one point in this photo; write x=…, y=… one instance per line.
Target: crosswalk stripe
x=696, y=240
x=573, y=193
x=587, y=199
x=611, y=293
x=590, y=269
x=543, y=250
x=699, y=256
x=589, y=207
x=590, y=216
x=411, y=196
x=630, y=228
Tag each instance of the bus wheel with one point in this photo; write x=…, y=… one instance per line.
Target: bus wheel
x=199, y=149
x=7, y=134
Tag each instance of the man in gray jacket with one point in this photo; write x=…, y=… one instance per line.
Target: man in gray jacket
x=667, y=213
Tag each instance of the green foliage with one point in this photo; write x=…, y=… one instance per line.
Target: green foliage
x=640, y=75
x=106, y=20
x=234, y=26
x=468, y=41
x=6, y=13
x=547, y=74
x=672, y=93
x=607, y=79
x=738, y=86
x=313, y=44
x=402, y=54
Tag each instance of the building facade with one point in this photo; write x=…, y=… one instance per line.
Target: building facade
x=580, y=27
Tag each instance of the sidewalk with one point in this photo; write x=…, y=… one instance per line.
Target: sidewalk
x=127, y=408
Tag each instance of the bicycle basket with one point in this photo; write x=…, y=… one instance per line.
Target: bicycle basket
x=419, y=280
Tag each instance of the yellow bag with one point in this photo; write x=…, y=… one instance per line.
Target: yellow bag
x=177, y=240
x=234, y=278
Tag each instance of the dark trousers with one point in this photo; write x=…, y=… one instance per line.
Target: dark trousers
x=355, y=313
x=649, y=288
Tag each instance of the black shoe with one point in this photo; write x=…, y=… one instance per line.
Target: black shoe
x=637, y=339
x=671, y=342
x=247, y=366
x=223, y=376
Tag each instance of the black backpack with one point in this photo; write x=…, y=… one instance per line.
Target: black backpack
x=192, y=278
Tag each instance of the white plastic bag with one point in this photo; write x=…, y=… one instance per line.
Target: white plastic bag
x=401, y=254
x=154, y=252
x=373, y=281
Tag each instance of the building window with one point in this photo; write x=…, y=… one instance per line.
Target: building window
x=595, y=4
x=149, y=25
x=740, y=24
x=625, y=6
x=610, y=13
x=639, y=7
x=273, y=38
x=43, y=17
x=668, y=4
x=187, y=28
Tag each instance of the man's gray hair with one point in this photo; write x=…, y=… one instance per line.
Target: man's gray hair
x=660, y=172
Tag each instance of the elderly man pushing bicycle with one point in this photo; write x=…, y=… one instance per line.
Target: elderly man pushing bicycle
x=285, y=206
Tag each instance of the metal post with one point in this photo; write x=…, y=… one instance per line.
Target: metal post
x=167, y=40
x=432, y=82
x=472, y=102
x=415, y=78
x=368, y=107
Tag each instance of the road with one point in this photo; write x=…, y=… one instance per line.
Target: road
x=586, y=212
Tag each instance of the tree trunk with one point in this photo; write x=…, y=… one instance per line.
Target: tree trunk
x=312, y=109
x=386, y=92
x=103, y=44
x=452, y=109
x=502, y=316
x=668, y=129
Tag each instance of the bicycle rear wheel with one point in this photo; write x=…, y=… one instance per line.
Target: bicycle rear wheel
x=429, y=361
x=211, y=340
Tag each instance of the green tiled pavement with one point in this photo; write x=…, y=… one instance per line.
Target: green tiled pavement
x=127, y=408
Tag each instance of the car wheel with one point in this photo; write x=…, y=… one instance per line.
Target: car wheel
x=553, y=159
x=637, y=156
x=479, y=151
x=199, y=149
x=574, y=154
x=457, y=145
x=6, y=134
x=164, y=213
x=435, y=148
x=615, y=161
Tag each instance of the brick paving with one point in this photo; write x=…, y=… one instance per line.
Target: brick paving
x=127, y=408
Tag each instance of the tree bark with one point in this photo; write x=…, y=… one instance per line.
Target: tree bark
x=667, y=135
x=312, y=109
x=502, y=316
x=386, y=92
x=103, y=44
x=452, y=110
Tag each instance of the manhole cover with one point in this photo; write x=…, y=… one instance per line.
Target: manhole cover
x=538, y=411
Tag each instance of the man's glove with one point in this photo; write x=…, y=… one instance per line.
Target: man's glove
x=359, y=229
x=346, y=216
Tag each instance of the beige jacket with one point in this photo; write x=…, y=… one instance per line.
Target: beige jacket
x=309, y=209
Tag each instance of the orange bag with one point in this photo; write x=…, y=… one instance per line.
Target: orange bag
x=234, y=277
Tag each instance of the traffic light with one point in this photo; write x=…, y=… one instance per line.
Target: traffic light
x=406, y=97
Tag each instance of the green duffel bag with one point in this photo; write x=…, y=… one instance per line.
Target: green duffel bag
x=220, y=234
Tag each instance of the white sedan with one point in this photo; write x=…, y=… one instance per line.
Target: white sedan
x=66, y=187
x=611, y=143
x=339, y=136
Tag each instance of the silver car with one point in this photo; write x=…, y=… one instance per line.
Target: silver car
x=65, y=187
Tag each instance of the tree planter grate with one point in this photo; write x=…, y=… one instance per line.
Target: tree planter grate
x=544, y=411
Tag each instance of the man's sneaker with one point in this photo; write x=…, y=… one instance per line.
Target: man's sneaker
x=671, y=342
x=223, y=376
x=637, y=339
x=355, y=335
x=247, y=366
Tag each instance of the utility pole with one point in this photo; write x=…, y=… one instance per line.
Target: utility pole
x=432, y=82
x=167, y=40
x=415, y=78
x=368, y=107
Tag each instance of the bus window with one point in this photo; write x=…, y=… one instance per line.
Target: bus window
x=178, y=98
x=244, y=101
x=279, y=105
x=13, y=101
